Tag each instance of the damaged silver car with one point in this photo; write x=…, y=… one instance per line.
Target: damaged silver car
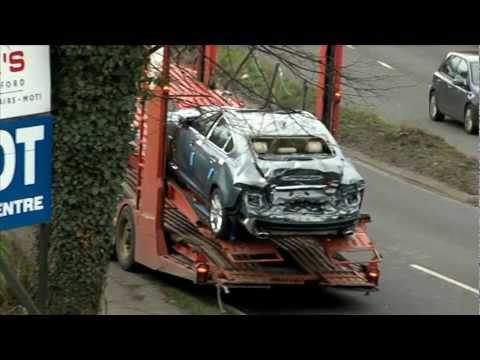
x=270, y=172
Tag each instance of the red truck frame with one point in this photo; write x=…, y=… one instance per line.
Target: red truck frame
x=157, y=224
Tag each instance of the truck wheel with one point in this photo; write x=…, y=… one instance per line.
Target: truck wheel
x=218, y=219
x=125, y=239
x=470, y=124
x=435, y=114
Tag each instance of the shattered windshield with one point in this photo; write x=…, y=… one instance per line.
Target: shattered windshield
x=290, y=148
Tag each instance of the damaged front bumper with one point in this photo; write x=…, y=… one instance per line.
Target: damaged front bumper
x=290, y=210
x=264, y=226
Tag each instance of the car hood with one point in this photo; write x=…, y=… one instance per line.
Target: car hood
x=316, y=171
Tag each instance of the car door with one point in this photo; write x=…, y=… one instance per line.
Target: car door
x=458, y=93
x=189, y=142
x=443, y=84
x=212, y=155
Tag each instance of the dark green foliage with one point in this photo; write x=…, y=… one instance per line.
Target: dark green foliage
x=93, y=100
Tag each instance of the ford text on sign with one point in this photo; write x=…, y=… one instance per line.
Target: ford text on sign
x=25, y=171
x=24, y=80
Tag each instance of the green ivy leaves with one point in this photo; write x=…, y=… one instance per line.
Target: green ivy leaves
x=93, y=99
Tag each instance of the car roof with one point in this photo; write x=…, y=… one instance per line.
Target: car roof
x=468, y=55
x=255, y=122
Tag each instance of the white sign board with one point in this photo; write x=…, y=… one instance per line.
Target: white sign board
x=24, y=80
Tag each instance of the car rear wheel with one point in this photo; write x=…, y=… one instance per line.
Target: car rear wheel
x=218, y=219
x=471, y=126
x=435, y=114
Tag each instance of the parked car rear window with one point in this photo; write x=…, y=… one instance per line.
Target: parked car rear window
x=204, y=123
x=462, y=69
x=450, y=65
x=220, y=135
x=475, y=73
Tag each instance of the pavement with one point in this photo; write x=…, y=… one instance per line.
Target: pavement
x=148, y=292
x=135, y=294
x=400, y=76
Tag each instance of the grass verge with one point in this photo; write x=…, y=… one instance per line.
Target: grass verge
x=404, y=147
x=409, y=148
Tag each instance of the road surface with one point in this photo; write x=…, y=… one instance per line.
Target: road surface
x=404, y=72
x=430, y=248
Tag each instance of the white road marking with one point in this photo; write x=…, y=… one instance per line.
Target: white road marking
x=445, y=278
x=350, y=47
x=385, y=65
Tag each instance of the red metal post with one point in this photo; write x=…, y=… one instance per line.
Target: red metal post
x=150, y=216
x=209, y=58
x=162, y=138
x=335, y=121
x=334, y=95
x=321, y=82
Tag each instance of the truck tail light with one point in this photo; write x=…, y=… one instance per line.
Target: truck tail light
x=373, y=274
x=202, y=272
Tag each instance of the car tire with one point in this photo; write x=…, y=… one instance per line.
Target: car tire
x=125, y=239
x=469, y=123
x=435, y=114
x=218, y=219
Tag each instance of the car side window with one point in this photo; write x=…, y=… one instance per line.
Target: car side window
x=450, y=65
x=221, y=134
x=204, y=123
x=462, y=69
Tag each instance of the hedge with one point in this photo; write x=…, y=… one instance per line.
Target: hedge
x=93, y=89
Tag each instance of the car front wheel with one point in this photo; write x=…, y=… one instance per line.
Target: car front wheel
x=470, y=123
x=435, y=114
x=218, y=219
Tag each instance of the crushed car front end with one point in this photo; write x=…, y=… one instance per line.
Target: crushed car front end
x=298, y=184
x=322, y=208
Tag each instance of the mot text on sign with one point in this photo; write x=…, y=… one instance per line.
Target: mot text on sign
x=25, y=135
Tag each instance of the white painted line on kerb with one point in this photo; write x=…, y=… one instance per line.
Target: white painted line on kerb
x=385, y=65
x=350, y=47
x=445, y=278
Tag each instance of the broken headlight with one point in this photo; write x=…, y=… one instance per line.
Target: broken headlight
x=254, y=199
x=353, y=199
x=352, y=194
